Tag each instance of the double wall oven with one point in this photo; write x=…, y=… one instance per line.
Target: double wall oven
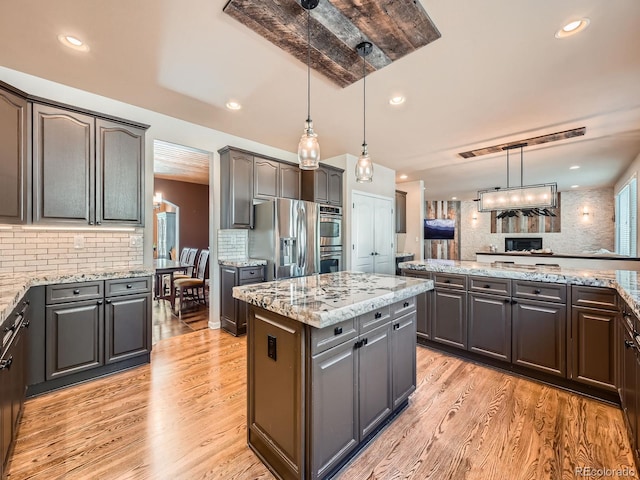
x=330, y=239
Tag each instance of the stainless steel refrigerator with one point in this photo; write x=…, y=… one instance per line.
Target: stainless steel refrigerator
x=286, y=233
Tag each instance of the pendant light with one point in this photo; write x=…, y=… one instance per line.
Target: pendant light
x=309, y=148
x=364, y=166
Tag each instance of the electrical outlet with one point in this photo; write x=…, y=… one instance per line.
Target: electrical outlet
x=135, y=240
x=78, y=241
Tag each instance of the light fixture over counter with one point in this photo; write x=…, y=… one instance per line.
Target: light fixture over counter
x=364, y=165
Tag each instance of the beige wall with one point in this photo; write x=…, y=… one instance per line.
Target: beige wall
x=579, y=233
x=413, y=241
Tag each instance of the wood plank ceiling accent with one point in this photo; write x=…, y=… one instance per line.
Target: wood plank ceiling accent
x=180, y=163
x=394, y=27
x=527, y=142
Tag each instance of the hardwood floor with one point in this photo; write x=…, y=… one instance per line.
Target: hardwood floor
x=166, y=325
x=183, y=417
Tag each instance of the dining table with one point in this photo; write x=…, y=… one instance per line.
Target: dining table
x=166, y=266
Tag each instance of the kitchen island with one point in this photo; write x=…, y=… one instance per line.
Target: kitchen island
x=591, y=261
x=331, y=360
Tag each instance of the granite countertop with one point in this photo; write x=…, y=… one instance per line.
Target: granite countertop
x=326, y=299
x=598, y=256
x=14, y=286
x=403, y=254
x=626, y=282
x=245, y=262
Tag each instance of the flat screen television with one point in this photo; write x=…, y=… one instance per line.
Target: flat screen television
x=439, y=229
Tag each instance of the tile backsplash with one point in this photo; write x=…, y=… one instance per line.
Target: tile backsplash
x=24, y=249
x=233, y=244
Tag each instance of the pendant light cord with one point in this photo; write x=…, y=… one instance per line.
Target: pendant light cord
x=364, y=99
x=308, y=65
x=521, y=168
x=507, y=168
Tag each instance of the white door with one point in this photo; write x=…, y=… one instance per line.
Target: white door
x=362, y=234
x=372, y=249
x=385, y=261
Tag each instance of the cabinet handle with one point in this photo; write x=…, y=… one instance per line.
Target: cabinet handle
x=252, y=273
x=507, y=300
x=76, y=292
x=378, y=315
x=513, y=302
x=90, y=223
x=396, y=326
x=629, y=344
x=365, y=341
x=10, y=329
x=129, y=285
x=26, y=302
x=358, y=344
x=447, y=281
x=373, y=253
x=26, y=324
x=108, y=301
x=537, y=292
x=405, y=304
x=487, y=286
x=98, y=223
x=6, y=363
x=337, y=330
x=99, y=302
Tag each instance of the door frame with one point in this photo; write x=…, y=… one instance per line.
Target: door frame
x=359, y=193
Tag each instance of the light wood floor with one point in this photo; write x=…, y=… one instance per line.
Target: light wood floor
x=167, y=325
x=183, y=417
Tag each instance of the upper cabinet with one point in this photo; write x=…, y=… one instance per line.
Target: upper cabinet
x=246, y=176
x=13, y=157
x=323, y=185
x=86, y=169
x=401, y=212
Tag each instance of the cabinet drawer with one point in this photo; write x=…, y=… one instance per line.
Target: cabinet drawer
x=325, y=338
x=374, y=318
x=70, y=292
x=497, y=286
x=594, y=297
x=127, y=286
x=251, y=273
x=551, y=292
x=403, y=307
x=450, y=280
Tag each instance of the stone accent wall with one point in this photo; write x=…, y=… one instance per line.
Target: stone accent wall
x=233, y=244
x=37, y=249
x=579, y=233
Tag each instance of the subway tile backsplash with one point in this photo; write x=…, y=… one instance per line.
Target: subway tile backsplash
x=25, y=250
x=233, y=244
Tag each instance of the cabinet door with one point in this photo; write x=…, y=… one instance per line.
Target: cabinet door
x=12, y=390
x=228, y=304
x=374, y=379
x=384, y=258
x=6, y=432
x=403, y=359
x=629, y=382
x=593, y=338
x=449, y=322
x=119, y=173
x=334, y=187
x=64, y=166
x=401, y=212
x=290, y=181
x=423, y=314
x=489, y=324
x=127, y=327
x=362, y=235
x=334, y=407
x=241, y=190
x=539, y=336
x=321, y=184
x=266, y=174
x=74, y=337
x=13, y=158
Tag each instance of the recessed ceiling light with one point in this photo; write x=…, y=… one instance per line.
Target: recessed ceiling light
x=233, y=105
x=572, y=28
x=397, y=100
x=73, y=42
x=575, y=186
x=574, y=167
x=403, y=177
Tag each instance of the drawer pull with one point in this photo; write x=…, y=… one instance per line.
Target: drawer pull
x=378, y=315
x=6, y=363
x=447, y=281
x=252, y=273
x=507, y=300
x=396, y=326
x=129, y=285
x=100, y=302
x=513, y=302
x=537, y=291
x=337, y=330
x=76, y=291
x=405, y=304
x=487, y=286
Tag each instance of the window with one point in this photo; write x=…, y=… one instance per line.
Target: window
x=626, y=219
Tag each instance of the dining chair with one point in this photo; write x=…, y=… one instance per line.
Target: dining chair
x=193, y=289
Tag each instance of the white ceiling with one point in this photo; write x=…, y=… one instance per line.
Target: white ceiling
x=496, y=75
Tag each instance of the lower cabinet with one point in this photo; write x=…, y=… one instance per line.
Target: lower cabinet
x=449, y=321
x=424, y=303
x=489, y=325
x=403, y=347
x=540, y=336
x=127, y=330
x=233, y=313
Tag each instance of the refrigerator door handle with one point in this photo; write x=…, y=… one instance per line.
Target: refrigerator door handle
x=301, y=233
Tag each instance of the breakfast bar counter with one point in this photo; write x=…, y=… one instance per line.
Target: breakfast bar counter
x=331, y=361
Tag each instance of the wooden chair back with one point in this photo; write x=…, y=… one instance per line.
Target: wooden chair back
x=201, y=267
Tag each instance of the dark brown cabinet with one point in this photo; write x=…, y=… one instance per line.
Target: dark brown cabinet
x=401, y=212
x=233, y=313
x=86, y=169
x=14, y=161
x=489, y=324
x=323, y=185
x=629, y=383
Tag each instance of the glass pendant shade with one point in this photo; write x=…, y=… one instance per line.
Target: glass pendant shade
x=364, y=167
x=515, y=198
x=309, y=148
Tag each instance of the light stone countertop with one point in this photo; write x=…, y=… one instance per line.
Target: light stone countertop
x=326, y=299
x=626, y=282
x=403, y=254
x=245, y=262
x=14, y=286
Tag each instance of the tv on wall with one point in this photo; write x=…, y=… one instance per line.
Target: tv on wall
x=439, y=229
